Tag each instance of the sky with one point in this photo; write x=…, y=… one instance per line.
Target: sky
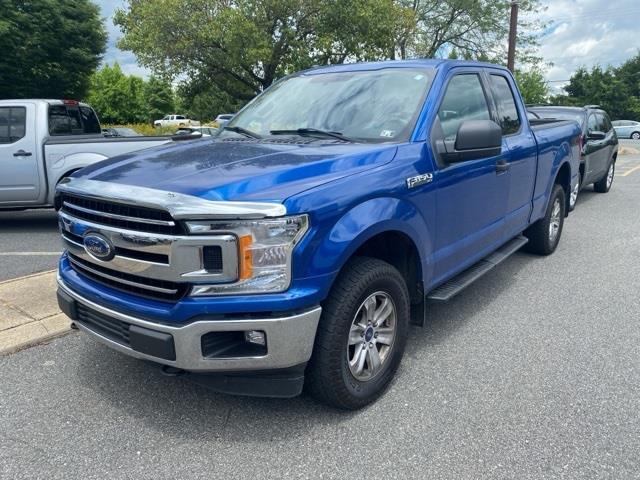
x=579, y=33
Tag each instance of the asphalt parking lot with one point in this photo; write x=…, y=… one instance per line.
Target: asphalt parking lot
x=530, y=373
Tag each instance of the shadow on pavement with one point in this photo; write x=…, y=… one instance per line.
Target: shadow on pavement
x=180, y=409
x=31, y=220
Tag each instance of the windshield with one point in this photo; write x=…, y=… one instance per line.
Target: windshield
x=366, y=106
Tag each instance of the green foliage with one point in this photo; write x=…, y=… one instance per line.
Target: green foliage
x=475, y=29
x=49, y=47
x=143, y=128
x=231, y=50
x=617, y=90
x=533, y=87
x=158, y=98
x=120, y=98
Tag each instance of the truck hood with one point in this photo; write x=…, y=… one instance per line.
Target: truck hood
x=216, y=169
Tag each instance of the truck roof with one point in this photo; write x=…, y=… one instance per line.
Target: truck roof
x=49, y=101
x=414, y=63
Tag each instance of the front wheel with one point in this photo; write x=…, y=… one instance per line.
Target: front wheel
x=604, y=184
x=544, y=235
x=635, y=135
x=361, y=336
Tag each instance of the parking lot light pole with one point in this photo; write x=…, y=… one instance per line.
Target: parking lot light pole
x=513, y=29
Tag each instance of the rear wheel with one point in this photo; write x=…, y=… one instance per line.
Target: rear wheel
x=361, y=336
x=544, y=235
x=604, y=184
x=635, y=135
x=575, y=191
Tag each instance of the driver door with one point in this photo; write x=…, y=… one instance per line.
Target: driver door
x=472, y=195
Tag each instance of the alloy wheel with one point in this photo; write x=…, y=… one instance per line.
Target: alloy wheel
x=371, y=336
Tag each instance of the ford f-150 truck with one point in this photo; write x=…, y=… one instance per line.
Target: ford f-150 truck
x=43, y=141
x=297, y=246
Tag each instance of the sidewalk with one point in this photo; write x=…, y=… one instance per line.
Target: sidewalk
x=29, y=312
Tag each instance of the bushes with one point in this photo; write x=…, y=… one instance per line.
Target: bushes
x=145, y=128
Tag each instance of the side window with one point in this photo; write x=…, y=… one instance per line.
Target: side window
x=606, y=123
x=592, y=124
x=463, y=100
x=506, y=103
x=12, y=124
x=89, y=120
x=179, y=117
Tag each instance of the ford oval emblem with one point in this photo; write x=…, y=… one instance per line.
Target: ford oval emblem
x=99, y=246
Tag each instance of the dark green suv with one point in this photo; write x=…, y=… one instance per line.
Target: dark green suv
x=599, y=144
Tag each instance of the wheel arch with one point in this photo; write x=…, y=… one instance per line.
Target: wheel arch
x=388, y=229
x=563, y=178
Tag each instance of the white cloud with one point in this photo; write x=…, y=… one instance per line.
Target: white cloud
x=127, y=60
x=588, y=33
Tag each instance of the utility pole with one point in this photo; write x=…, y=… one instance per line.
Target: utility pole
x=513, y=31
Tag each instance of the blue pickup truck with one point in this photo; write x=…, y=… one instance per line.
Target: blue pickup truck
x=295, y=249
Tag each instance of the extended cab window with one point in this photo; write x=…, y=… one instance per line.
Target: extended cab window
x=12, y=124
x=506, y=103
x=463, y=100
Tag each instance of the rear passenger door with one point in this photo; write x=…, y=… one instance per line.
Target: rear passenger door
x=520, y=150
x=471, y=197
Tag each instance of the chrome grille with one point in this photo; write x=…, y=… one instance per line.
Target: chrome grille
x=114, y=214
x=146, y=287
x=145, y=262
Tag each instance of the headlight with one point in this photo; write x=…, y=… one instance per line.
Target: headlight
x=264, y=253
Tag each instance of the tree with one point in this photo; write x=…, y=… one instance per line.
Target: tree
x=474, y=28
x=49, y=47
x=242, y=46
x=116, y=97
x=120, y=98
x=231, y=50
x=614, y=89
x=158, y=98
x=533, y=86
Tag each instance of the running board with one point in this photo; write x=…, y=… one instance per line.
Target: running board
x=449, y=289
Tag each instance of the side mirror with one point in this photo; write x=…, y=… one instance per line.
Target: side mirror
x=475, y=139
x=596, y=135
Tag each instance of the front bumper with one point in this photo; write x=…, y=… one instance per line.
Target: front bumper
x=289, y=339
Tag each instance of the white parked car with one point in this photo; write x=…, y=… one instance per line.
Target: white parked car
x=175, y=121
x=44, y=141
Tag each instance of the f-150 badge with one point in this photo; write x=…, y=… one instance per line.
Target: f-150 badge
x=413, y=182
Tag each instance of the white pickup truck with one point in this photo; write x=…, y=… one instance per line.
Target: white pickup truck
x=43, y=141
x=175, y=121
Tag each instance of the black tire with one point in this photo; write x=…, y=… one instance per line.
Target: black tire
x=328, y=377
x=574, y=200
x=635, y=136
x=604, y=184
x=540, y=241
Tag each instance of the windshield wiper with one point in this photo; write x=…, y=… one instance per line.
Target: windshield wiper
x=242, y=131
x=312, y=132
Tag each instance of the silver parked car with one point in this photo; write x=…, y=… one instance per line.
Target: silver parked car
x=627, y=129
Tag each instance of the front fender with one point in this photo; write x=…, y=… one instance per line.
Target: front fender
x=361, y=223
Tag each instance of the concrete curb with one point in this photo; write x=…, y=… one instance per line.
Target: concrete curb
x=29, y=313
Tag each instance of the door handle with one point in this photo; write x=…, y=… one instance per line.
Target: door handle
x=502, y=166
x=22, y=153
